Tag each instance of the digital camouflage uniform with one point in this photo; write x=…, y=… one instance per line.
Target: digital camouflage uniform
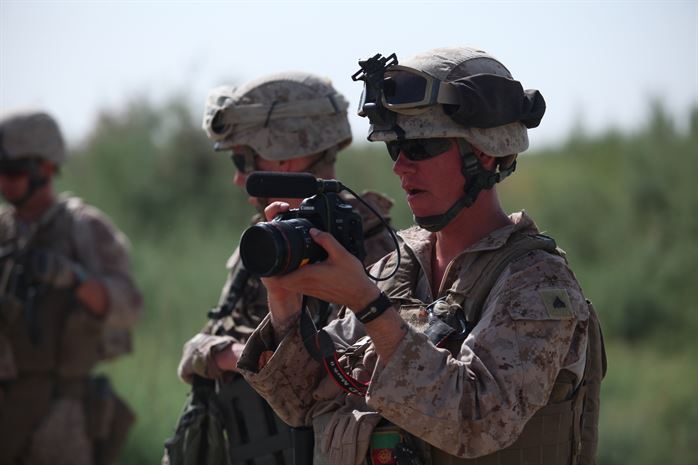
x=468, y=404
x=51, y=410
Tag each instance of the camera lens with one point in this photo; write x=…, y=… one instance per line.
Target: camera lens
x=279, y=247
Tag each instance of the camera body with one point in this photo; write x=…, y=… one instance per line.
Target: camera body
x=284, y=244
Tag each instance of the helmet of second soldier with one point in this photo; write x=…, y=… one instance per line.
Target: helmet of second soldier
x=30, y=134
x=450, y=64
x=280, y=116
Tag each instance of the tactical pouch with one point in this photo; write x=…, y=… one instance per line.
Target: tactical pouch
x=303, y=440
x=108, y=420
x=79, y=346
x=100, y=407
x=199, y=437
x=256, y=435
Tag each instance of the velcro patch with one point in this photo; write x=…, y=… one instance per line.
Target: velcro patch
x=382, y=449
x=557, y=303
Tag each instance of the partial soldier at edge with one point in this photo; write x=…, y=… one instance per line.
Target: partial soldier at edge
x=67, y=301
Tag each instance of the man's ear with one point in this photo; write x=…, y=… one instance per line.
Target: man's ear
x=487, y=161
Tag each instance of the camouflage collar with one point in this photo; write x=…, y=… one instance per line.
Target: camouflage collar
x=421, y=241
x=497, y=238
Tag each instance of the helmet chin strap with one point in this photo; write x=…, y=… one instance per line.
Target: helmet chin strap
x=36, y=182
x=477, y=178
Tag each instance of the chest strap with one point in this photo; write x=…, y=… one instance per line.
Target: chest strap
x=462, y=305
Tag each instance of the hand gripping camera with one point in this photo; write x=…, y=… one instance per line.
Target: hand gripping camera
x=284, y=244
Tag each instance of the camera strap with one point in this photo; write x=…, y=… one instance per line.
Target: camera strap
x=320, y=346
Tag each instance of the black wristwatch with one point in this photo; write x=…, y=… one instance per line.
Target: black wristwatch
x=374, y=309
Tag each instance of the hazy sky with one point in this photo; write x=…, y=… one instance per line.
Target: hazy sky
x=598, y=63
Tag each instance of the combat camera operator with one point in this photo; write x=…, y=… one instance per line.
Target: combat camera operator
x=67, y=301
x=286, y=123
x=476, y=346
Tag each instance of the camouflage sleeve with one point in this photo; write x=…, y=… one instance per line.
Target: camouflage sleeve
x=104, y=252
x=533, y=325
x=197, y=356
x=289, y=377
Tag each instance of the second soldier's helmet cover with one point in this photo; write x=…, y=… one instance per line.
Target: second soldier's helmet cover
x=30, y=134
x=448, y=65
x=280, y=116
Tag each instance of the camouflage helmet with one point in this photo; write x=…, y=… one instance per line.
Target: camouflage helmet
x=450, y=64
x=30, y=134
x=280, y=116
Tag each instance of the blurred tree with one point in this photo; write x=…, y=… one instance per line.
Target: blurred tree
x=154, y=166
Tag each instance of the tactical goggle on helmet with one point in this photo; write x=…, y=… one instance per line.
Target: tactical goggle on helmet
x=399, y=89
x=416, y=100
x=408, y=91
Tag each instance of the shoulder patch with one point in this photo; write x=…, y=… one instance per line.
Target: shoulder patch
x=557, y=303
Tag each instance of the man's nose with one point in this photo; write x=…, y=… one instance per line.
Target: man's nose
x=403, y=164
x=240, y=179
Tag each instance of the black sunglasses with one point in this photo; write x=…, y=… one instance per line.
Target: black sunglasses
x=417, y=149
x=20, y=167
x=244, y=161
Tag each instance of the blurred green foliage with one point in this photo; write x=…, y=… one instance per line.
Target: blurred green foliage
x=623, y=205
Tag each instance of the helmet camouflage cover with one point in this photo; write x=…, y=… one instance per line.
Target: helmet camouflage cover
x=30, y=134
x=450, y=64
x=281, y=116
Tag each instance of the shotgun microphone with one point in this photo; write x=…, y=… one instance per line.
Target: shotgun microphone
x=289, y=185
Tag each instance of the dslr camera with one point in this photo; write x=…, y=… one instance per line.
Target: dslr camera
x=284, y=244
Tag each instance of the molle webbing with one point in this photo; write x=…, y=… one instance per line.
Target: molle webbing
x=553, y=435
x=565, y=431
x=544, y=441
x=483, y=270
x=562, y=432
x=256, y=435
x=594, y=372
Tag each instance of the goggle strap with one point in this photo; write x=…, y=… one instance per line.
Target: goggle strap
x=447, y=94
x=399, y=132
